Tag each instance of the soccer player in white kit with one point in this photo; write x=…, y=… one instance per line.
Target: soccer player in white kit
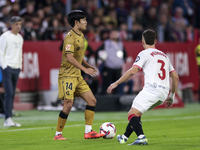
x=157, y=69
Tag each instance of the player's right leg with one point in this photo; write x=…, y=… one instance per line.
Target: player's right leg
x=66, y=93
x=62, y=118
x=124, y=138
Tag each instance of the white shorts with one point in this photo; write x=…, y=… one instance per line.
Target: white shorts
x=147, y=99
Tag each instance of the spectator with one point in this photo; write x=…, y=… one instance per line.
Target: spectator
x=109, y=6
x=123, y=34
x=96, y=22
x=100, y=13
x=28, y=11
x=48, y=10
x=122, y=12
x=15, y=9
x=58, y=6
x=116, y=56
x=136, y=33
x=196, y=13
x=106, y=30
x=164, y=9
x=179, y=16
x=140, y=19
x=151, y=19
x=29, y=33
x=187, y=8
x=40, y=14
x=134, y=4
x=53, y=33
x=2, y=3
x=4, y=26
x=4, y=13
x=131, y=19
x=164, y=29
x=111, y=17
x=103, y=15
x=178, y=31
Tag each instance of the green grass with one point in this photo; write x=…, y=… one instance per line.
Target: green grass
x=166, y=129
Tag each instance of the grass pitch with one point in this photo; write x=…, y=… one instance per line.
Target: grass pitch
x=166, y=129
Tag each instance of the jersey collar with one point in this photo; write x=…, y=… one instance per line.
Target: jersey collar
x=76, y=33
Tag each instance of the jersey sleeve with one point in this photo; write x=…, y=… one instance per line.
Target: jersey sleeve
x=171, y=68
x=140, y=60
x=68, y=44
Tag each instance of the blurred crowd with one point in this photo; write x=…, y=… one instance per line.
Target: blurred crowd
x=173, y=20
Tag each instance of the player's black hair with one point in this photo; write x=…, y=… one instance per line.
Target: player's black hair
x=75, y=15
x=149, y=36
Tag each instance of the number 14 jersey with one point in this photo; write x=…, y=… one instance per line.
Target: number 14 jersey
x=156, y=68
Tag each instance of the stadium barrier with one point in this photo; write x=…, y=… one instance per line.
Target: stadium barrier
x=43, y=58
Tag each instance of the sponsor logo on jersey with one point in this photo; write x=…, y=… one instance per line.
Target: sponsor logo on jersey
x=68, y=47
x=137, y=59
x=154, y=85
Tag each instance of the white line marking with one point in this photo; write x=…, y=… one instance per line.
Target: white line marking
x=77, y=125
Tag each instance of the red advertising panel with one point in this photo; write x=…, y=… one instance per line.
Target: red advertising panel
x=39, y=58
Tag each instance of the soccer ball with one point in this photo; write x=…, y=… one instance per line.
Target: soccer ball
x=108, y=129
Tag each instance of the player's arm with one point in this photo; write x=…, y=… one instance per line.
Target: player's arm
x=73, y=61
x=175, y=80
x=128, y=74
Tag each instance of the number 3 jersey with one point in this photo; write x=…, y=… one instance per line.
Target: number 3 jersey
x=156, y=68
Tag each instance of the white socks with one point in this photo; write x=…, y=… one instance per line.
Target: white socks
x=141, y=136
x=58, y=132
x=88, y=128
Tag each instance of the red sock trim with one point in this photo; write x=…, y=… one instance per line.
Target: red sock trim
x=131, y=116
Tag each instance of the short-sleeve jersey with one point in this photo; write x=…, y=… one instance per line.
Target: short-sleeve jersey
x=156, y=68
x=73, y=43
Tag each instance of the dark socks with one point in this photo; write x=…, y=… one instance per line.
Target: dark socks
x=136, y=124
x=129, y=130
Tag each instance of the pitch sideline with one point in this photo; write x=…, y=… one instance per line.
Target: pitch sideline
x=144, y=120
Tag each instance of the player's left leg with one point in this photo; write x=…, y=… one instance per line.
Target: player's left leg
x=89, y=115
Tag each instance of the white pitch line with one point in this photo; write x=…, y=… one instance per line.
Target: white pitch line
x=77, y=125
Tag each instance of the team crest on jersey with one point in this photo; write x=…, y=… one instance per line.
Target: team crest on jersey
x=68, y=47
x=137, y=59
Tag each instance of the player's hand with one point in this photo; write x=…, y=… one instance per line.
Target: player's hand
x=94, y=69
x=111, y=87
x=168, y=103
x=91, y=72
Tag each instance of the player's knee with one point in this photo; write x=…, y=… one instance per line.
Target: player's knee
x=92, y=102
x=67, y=106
